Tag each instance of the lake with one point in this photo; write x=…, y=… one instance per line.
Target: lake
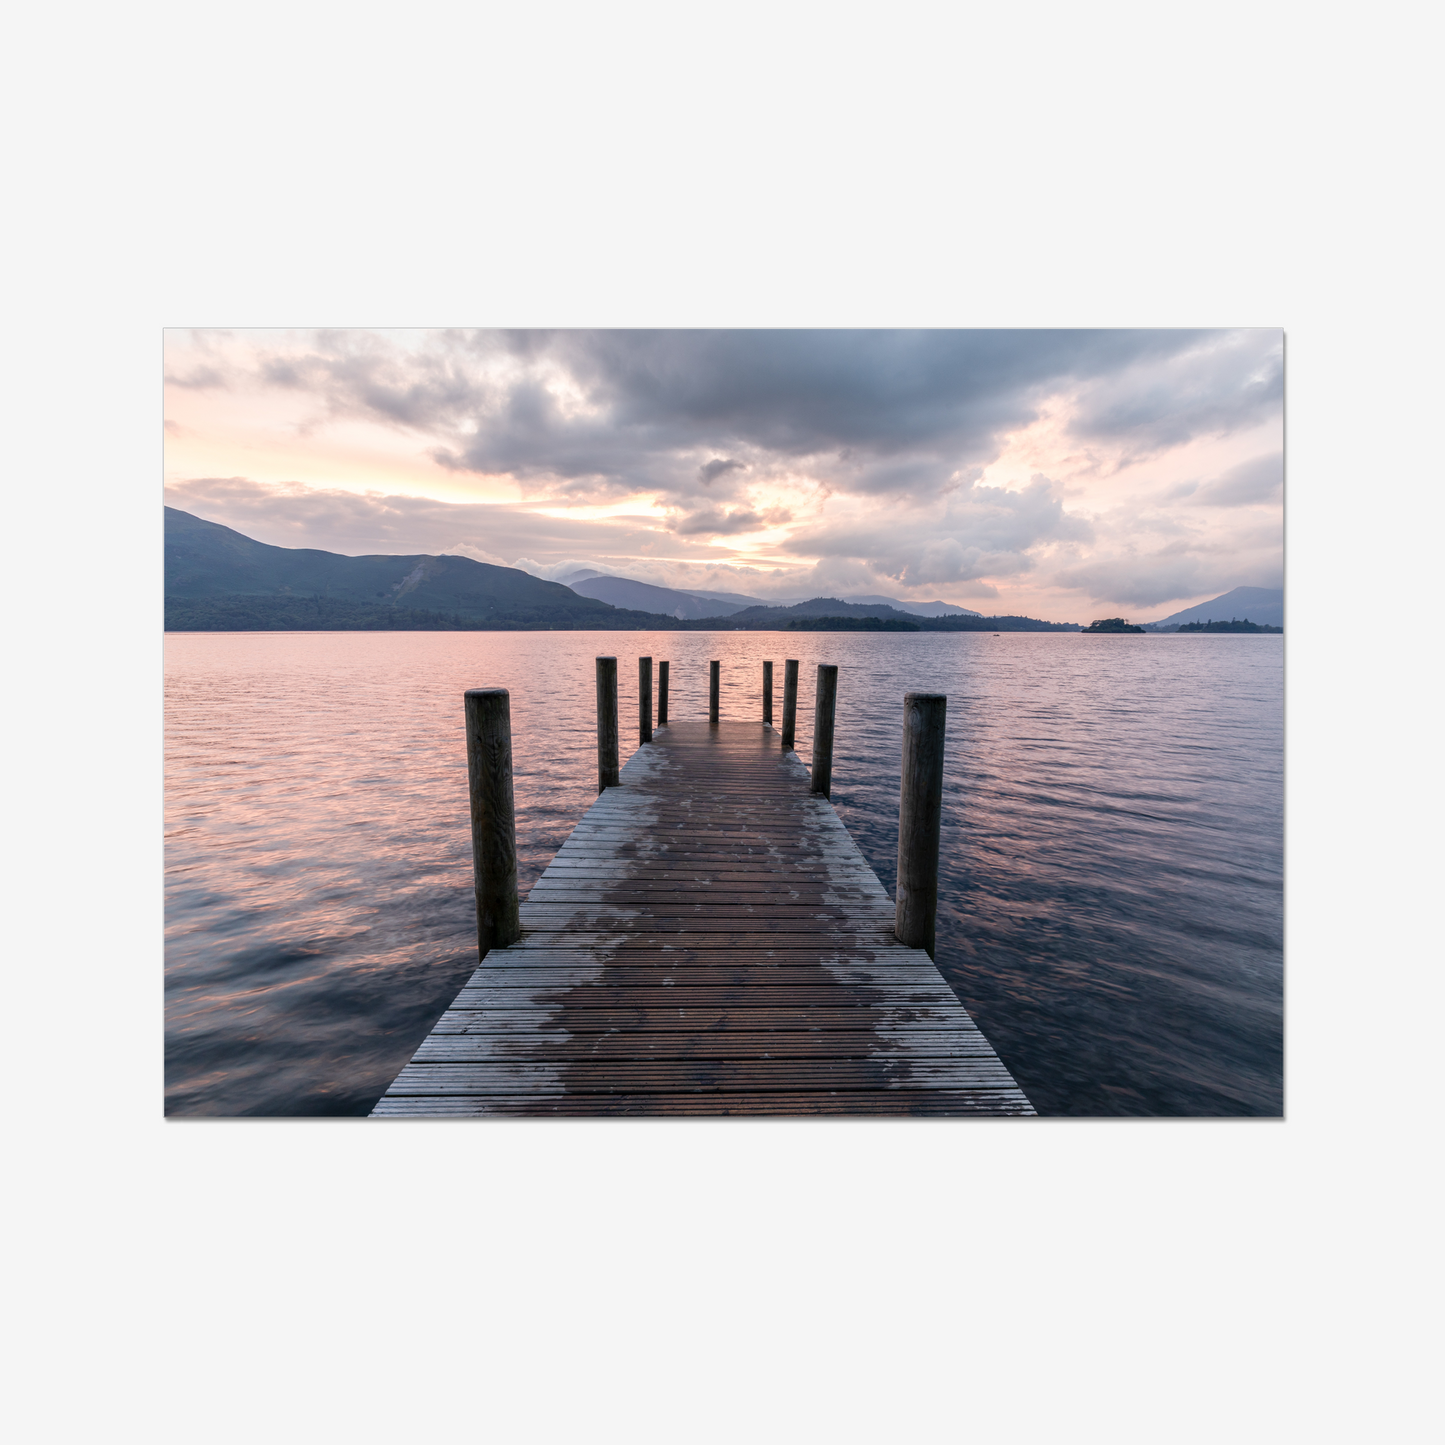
x=1111, y=885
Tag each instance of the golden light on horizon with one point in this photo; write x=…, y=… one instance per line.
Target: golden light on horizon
x=623, y=452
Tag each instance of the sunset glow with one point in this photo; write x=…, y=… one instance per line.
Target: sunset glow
x=1055, y=474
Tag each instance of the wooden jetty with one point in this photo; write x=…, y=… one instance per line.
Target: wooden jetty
x=708, y=941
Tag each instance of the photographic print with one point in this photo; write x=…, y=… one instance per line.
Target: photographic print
x=724, y=723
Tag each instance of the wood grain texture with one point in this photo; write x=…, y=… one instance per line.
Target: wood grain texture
x=709, y=941
x=607, y=755
x=790, y=702
x=898, y=1104
x=488, y=715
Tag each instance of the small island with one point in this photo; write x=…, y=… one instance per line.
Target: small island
x=1234, y=625
x=1110, y=624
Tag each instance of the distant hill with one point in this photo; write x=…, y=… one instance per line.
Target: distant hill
x=798, y=616
x=1257, y=604
x=868, y=599
x=217, y=579
x=741, y=598
x=814, y=607
x=644, y=597
x=674, y=601
x=918, y=609
x=220, y=580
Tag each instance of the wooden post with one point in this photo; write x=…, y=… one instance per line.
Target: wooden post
x=494, y=820
x=920, y=817
x=790, y=702
x=644, y=700
x=607, y=769
x=712, y=691
x=767, y=694
x=824, y=701
x=662, y=694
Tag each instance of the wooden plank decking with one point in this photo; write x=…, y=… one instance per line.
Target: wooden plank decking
x=708, y=941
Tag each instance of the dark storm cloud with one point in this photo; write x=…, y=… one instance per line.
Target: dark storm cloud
x=607, y=412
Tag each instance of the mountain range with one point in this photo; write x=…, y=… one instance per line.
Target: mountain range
x=644, y=597
x=828, y=611
x=918, y=609
x=685, y=603
x=218, y=579
x=1257, y=604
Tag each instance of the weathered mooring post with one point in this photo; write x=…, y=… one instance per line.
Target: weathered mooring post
x=494, y=820
x=607, y=769
x=920, y=818
x=790, y=702
x=824, y=701
x=712, y=691
x=662, y=694
x=644, y=700
x=767, y=694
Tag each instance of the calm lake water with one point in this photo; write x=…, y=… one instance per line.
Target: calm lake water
x=1111, y=898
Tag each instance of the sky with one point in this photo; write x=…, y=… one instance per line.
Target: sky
x=1066, y=475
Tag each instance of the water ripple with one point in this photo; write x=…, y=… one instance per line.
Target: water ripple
x=1112, y=844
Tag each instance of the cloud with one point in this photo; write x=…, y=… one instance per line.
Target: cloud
x=717, y=522
x=979, y=532
x=198, y=378
x=1138, y=580
x=207, y=365
x=552, y=571
x=1194, y=565
x=357, y=523
x=477, y=554
x=1260, y=479
x=1220, y=382
x=849, y=461
x=709, y=472
x=594, y=414
x=367, y=523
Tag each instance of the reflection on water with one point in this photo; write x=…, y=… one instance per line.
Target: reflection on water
x=1111, y=894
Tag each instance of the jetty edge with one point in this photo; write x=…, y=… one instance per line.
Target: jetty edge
x=708, y=941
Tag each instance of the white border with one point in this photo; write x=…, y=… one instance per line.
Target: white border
x=786, y=165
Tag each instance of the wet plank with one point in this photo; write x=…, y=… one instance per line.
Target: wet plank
x=557, y=1045
x=602, y=995
x=534, y=1018
x=589, y=1076
x=780, y=974
x=899, y=1103
x=709, y=941
x=803, y=951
